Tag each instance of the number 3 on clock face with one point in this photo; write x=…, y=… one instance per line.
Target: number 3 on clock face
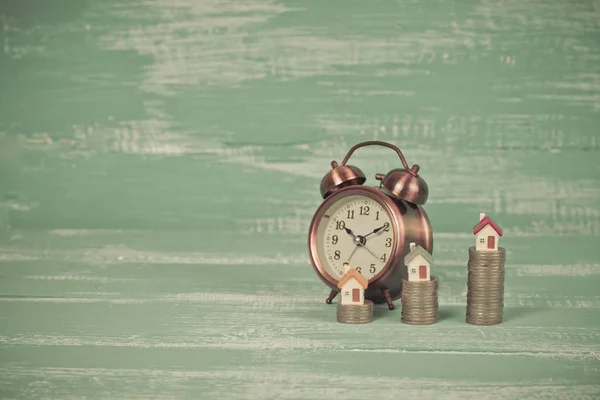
x=354, y=230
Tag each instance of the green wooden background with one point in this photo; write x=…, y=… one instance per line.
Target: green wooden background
x=160, y=163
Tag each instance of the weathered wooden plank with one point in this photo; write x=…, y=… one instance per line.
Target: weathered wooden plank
x=257, y=382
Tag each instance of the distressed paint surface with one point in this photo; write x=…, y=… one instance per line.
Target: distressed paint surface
x=159, y=166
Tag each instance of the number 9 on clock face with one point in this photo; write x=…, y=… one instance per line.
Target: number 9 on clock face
x=356, y=230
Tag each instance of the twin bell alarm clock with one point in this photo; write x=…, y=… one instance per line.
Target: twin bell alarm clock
x=369, y=228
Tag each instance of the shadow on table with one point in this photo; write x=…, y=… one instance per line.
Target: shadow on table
x=381, y=311
x=458, y=314
x=327, y=313
x=451, y=313
x=518, y=313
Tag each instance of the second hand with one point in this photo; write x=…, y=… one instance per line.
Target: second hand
x=351, y=254
x=373, y=254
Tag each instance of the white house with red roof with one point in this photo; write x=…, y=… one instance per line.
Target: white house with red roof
x=486, y=233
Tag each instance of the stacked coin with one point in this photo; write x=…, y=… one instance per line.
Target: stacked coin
x=420, y=301
x=355, y=313
x=485, y=287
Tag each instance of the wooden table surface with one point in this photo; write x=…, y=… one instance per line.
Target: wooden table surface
x=160, y=162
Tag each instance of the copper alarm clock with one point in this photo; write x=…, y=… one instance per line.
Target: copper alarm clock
x=369, y=228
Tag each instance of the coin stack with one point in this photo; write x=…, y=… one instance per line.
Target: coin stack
x=355, y=313
x=485, y=287
x=420, y=301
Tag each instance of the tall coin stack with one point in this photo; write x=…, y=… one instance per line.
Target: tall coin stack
x=355, y=313
x=485, y=287
x=420, y=301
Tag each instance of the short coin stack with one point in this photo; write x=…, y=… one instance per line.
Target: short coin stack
x=485, y=287
x=355, y=313
x=420, y=301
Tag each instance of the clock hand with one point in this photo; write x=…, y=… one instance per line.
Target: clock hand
x=367, y=249
x=349, y=231
x=377, y=229
x=351, y=254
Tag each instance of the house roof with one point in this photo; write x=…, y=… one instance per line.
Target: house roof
x=483, y=223
x=418, y=251
x=352, y=273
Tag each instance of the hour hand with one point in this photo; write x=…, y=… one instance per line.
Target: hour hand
x=349, y=232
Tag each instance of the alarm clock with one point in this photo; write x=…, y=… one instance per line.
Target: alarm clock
x=369, y=228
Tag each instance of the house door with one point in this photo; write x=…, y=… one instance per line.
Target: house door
x=422, y=272
x=355, y=295
x=491, y=242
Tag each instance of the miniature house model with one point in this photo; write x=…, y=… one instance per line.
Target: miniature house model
x=418, y=262
x=486, y=234
x=352, y=287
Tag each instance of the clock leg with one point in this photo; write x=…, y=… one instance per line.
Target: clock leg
x=388, y=299
x=331, y=296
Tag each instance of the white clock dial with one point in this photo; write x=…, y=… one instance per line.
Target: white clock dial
x=355, y=230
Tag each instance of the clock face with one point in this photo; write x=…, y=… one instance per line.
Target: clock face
x=356, y=230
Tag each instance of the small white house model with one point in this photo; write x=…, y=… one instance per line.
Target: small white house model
x=486, y=234
x=352, y=287
x=418, y=262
